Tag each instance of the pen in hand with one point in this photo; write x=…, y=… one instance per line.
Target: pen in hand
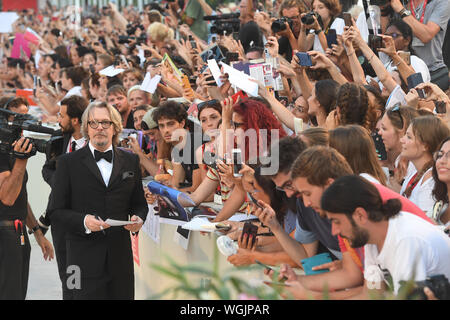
x=101, y=227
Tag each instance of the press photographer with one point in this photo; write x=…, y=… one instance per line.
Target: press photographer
x=15, y=212
x=249, y=31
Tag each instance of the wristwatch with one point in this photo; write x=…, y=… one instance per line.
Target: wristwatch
x=404, y=13
x=318, y=31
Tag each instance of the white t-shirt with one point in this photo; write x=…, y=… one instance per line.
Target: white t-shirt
x=338, y=25
x=416, y=63
x=414, y=249
x=421, y=195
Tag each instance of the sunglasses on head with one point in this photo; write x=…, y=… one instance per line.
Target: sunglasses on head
x=208, y=103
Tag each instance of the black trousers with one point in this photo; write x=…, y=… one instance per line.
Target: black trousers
x=14, y=264
x=59, y=243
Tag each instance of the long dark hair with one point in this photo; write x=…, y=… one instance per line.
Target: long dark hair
x=439, y=192
x=326, y=94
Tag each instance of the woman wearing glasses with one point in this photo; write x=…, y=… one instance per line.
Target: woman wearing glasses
x=419, y=143
x=392, y=128
x=402, y=34
x=441, y=177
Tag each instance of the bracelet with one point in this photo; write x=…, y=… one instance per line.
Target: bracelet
x=318, y=31
x=398, y=63
x=34, y=229
x=373, y=55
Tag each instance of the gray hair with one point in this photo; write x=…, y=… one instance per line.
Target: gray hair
x=113, y=114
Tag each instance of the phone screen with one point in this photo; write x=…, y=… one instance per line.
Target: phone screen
x=237, y=162
x=347, y=19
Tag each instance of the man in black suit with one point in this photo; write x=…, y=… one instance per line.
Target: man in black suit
x=91, y=185
x=69, y=119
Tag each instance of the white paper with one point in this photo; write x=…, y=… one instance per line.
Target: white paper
x=200, y=224
x=151, y=225
x=150, y=84
x=241, y=80
x=6, y=21
x=215, y=71
x=111, y=71
x=397, y=96
x=241, y=217
x=116, y=223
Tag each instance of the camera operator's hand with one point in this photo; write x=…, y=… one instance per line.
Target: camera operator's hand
x=315, y=25
x=22, y=148
x=298, y=69
x=412, y=98
x=286, y=32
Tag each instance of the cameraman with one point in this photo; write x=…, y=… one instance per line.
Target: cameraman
x=291, y=9
x=428, y=20
x=15, y=215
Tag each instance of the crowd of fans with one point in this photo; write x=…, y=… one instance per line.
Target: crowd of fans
x=362, y=147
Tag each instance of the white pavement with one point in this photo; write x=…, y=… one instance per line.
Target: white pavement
x=43, y=281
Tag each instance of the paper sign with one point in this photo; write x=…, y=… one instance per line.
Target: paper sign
x=215, y=71
x=241, y=80
x=150, y=84
x=111, y=71
x=6, y=21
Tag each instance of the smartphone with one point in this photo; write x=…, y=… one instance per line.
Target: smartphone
x=314, y=261
x=347, y=19
x=379, y=146
x=211, y=78
x=240, y=94
x=331, y=38
x=304, y=59
x=237, y=162
x=35, y=85
x=440, y=107
x=91, y=68
x=193, y=43
x=414, y=80
x=250, y=230
x=39, y=81
x=406, y=56
x=375, y=42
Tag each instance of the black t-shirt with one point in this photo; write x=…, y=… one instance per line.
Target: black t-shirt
x=19, y=209
x=310, y=220
x=130, y=121
x=250, y=32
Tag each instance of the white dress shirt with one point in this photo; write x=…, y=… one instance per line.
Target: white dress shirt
x=80, y=143
x=105, y=169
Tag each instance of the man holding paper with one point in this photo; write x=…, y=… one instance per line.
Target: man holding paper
x=97, y=183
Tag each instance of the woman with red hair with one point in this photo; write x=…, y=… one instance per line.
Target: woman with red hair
x=249, y=118
x=254, y=115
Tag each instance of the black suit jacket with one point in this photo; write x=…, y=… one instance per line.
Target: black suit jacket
x=49, y=167
x=78, y=190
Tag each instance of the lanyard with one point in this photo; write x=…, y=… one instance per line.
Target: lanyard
x=423, y=13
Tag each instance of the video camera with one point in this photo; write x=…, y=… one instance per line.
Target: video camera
x=128, y=39
x=11, y=131
x=224, y=24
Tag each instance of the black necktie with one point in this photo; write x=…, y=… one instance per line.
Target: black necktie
x=103, y=155
x=74, y=146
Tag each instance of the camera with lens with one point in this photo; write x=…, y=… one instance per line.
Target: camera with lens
x=11, y=131
x=224, y=24
x=438, y=284
x=131, y=29
x=309, y=18
x=280, y=24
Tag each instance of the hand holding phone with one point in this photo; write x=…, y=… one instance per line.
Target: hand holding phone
x=237, y=162
x=304, y=59
x=347, y=19
x=413, y=81
x=250, y=230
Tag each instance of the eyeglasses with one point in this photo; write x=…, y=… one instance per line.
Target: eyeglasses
x=394, y=35
x=396, y=108
x=105, y=124
x=439, y=154
x=286, y=186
